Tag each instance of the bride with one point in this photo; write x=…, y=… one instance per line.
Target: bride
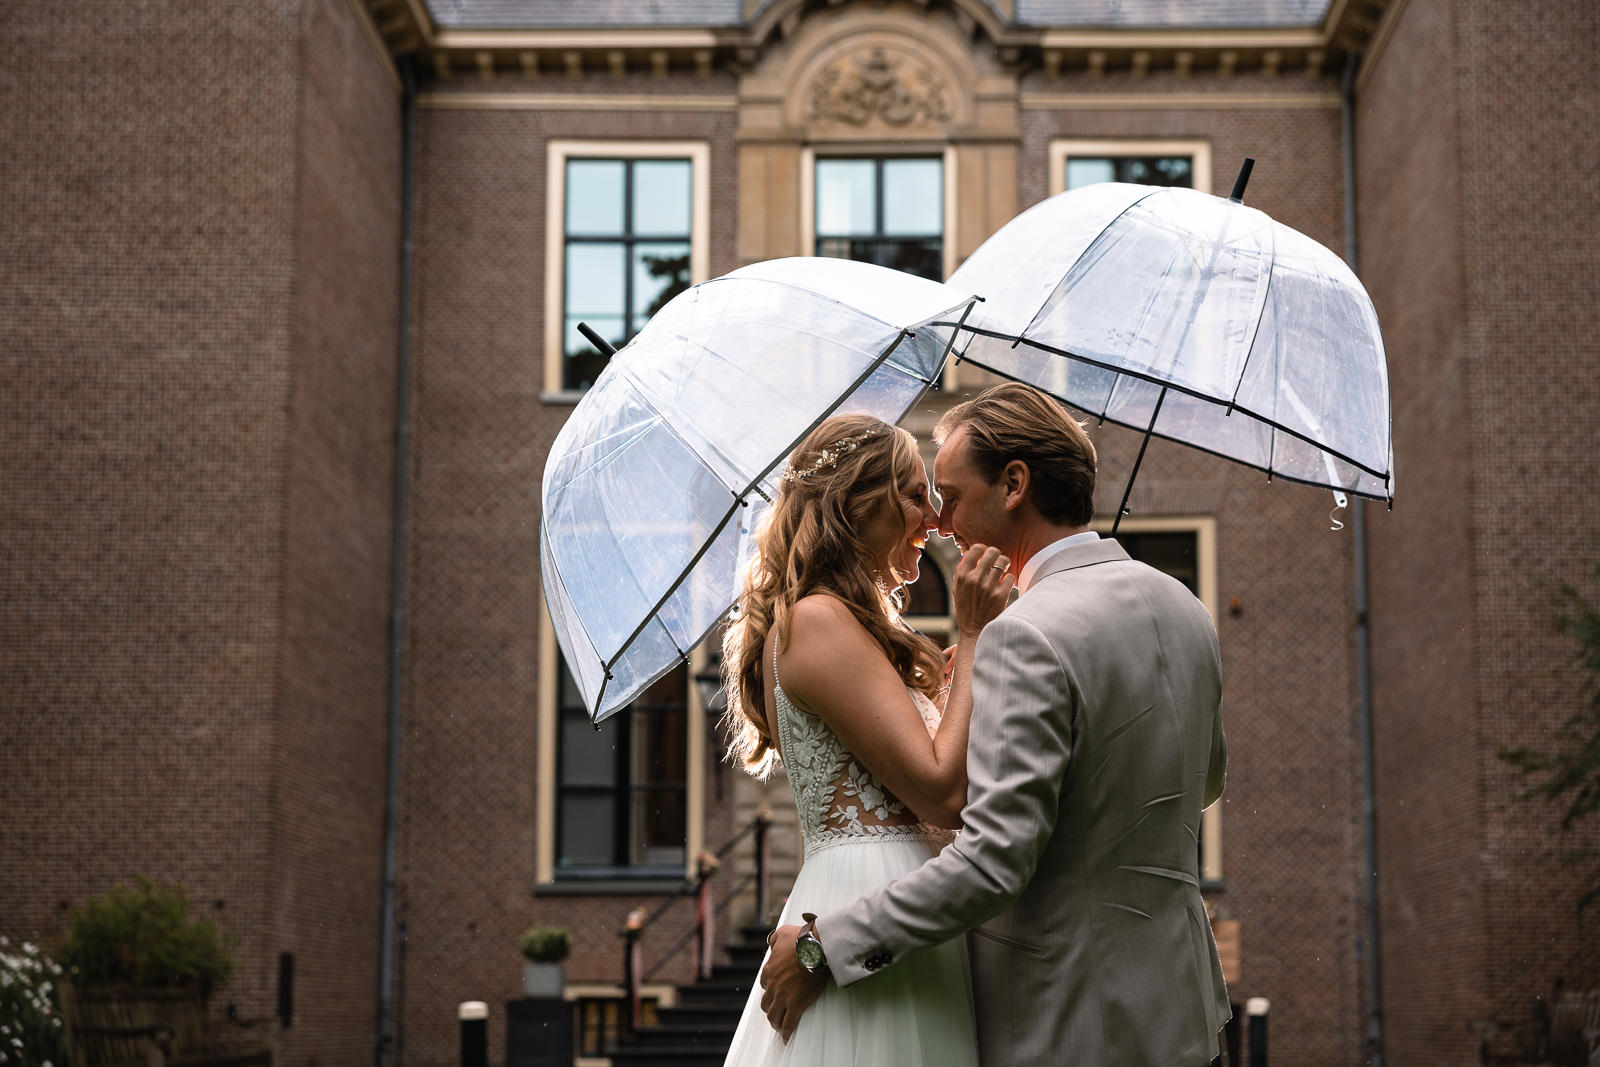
x=870, y=721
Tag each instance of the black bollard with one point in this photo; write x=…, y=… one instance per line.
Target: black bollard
x=1257, y=1008
x=474, y=1016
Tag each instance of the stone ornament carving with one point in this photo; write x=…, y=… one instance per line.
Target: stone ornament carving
x=894, y=89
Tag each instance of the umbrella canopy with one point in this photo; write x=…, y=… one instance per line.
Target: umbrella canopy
x=652, y=487
x=1194, y=318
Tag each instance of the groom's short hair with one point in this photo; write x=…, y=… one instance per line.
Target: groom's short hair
x=1016, y=421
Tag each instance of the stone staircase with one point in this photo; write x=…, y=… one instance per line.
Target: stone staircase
x=697, y=1030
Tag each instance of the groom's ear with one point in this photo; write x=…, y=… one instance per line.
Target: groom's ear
x=1016, y=478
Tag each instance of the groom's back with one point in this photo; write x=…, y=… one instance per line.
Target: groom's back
x=1121, y=947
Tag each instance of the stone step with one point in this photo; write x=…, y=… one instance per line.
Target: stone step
x=677, y=1056
x=718, y=1032
x=701, y=1016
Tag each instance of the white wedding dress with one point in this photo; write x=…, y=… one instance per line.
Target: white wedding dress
x=917, y=1013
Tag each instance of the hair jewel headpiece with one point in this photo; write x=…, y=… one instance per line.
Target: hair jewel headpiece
x=830, y=456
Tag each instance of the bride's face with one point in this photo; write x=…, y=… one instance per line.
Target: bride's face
x=897, y=530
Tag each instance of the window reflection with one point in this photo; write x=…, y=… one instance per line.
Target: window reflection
x=1174, y=171
x=628, y=227
x=888, y=211
x=621, y=800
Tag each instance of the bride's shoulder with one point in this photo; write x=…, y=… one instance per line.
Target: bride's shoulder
x=821, y=626
x=819, y=609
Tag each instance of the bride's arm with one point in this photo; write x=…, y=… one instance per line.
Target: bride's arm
x=834, y=668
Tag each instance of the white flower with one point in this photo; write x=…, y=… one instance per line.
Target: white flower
x=29, y=947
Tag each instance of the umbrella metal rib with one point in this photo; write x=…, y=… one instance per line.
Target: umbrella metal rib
x=1125, y=372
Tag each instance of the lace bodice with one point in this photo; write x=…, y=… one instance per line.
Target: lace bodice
x=838, y=798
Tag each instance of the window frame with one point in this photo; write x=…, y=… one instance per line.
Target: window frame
x=879, y=211
x=1204, y=528
x=944, y=151
x=1065, y=148
x=547, y=768
x=557, y=153
x=622, y=791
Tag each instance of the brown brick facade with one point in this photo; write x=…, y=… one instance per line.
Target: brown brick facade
x=199, y=310
x=1477, y=231
x=481, y=433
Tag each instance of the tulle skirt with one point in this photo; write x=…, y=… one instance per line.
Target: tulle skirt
x=917, y=1013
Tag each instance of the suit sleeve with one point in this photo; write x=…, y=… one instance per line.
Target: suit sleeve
x=1021, y=740
x=1217, y=770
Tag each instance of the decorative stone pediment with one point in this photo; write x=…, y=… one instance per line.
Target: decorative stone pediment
x=879, y=73
x=881, y=84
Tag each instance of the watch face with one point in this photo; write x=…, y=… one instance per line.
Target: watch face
x=809, y=952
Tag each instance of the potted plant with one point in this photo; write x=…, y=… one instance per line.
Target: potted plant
x=145, y=936
x=544, y=948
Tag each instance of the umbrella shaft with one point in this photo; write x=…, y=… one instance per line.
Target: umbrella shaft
x=1122, y=508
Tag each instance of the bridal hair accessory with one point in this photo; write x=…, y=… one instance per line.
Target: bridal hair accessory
x=830, y=456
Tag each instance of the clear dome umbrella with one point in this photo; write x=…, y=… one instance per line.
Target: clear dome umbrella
x=1193, y=318
x=653, y=485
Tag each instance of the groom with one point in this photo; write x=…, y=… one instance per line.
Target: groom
x=1096, y=741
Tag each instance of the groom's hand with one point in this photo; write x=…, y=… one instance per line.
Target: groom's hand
x=787, y=989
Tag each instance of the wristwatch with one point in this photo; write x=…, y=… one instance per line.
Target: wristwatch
x=807, y=949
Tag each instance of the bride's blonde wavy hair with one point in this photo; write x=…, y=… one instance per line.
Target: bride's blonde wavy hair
x=810, y=542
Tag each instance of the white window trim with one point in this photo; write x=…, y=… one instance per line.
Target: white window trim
x=549, y=733
x=877, y=150
x=1204, y=527
x=557, y=153
x=1064, y=149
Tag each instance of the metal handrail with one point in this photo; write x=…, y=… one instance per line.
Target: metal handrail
x=706, y=911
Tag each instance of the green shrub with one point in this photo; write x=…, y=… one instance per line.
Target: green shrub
x=545, y=944
x=30, y=1008
x=145, y=936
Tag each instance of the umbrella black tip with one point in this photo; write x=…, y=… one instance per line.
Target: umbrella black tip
x=1237, y=196
x=600, y=343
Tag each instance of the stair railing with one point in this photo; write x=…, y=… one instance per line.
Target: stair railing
x=707, y=908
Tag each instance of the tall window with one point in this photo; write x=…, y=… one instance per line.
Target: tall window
x=886, y=211
x=621, y=797
x=1140, y=170
x=628, y=224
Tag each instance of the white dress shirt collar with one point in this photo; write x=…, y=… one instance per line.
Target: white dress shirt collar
x=1040, y=557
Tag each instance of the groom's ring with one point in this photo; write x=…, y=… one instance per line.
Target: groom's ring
x=998, y=566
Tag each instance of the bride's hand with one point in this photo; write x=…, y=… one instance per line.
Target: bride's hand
x=983, y=585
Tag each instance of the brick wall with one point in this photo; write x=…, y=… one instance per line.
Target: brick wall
x=1428, y=788
x=1474, y=248
x=1530, y=216
x=146, y=274
x=328, y=760
x=481, y=434
x=198, y=306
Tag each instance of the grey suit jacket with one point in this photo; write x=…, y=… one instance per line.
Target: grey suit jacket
x=1096, y=741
